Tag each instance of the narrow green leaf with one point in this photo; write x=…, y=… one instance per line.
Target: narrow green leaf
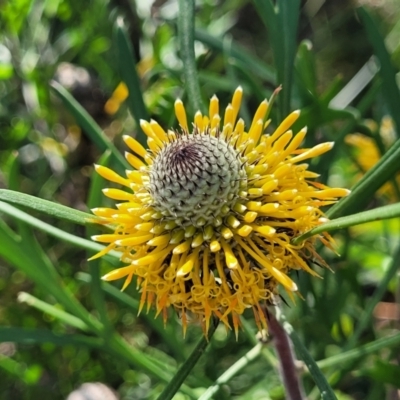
x=127, y=68
x=377, y=214
x=23, y=256
x=363, y=191
x=26, y=255
x=186, y=46
x=285, y=17
x=363, y=106
x=55, y=312
x=115, y=345
x=53, y=231
x=184, y=370
x=35, y=254
x=389, y=164
x=37, y=336
x=306, y=69
x=156, y=324
x=246, y=60
x=268, y=15
x=387, y=71
x=45, y=206
x=11, y=168
x=87, y=123
x=233, y=370
x=135, y=357
x=359, y=353
x=13, y=367
x=355, y=86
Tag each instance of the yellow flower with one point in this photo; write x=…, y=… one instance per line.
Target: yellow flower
x=206, y=219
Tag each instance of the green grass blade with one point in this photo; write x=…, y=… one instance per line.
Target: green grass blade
x=186, y=45
x=387, y=71
x=37, y=336
x=341, y=359
x=287, y=19
x=53, y=231
x=245, y=59
x=11, y=171
x=377, y=214
x=306, y=69
x=15, y=368
x=355, y=86
x=45, y=206
x=23, y=256
x=268, y=14
x=184, y=370
x=24, y=252
x=87, y=123
x=136, y=358
x=156, y=324
x=26, y=255
x=281, y=23
x=233, y=370
x=389, y=164
x=55, y=312
x=114, y=345
x=364, y=189
x=127, y=68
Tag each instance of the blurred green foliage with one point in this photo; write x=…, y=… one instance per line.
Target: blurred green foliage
x=47, y=353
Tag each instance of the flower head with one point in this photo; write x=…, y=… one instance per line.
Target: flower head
x=207, y=216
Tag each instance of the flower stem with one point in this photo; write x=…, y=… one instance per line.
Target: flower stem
x=239, y=365
x=326, y=391
x=283, y=346
x=184, y=370
x=186, y=44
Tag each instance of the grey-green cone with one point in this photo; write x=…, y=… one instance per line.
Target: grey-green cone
x=196, y=178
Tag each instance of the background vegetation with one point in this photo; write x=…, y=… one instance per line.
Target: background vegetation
x=59, y=326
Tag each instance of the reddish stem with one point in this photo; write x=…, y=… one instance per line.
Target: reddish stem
x=283, y=346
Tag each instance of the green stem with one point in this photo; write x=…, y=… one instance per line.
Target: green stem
x=53, y=231
x=184, y=370
x=232, y=371
x=376, y=214
x=122, y=350
x=55, y=312
x=340, y=360
x=186, y=44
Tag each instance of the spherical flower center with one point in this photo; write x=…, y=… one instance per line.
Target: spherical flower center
x=195, y=179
